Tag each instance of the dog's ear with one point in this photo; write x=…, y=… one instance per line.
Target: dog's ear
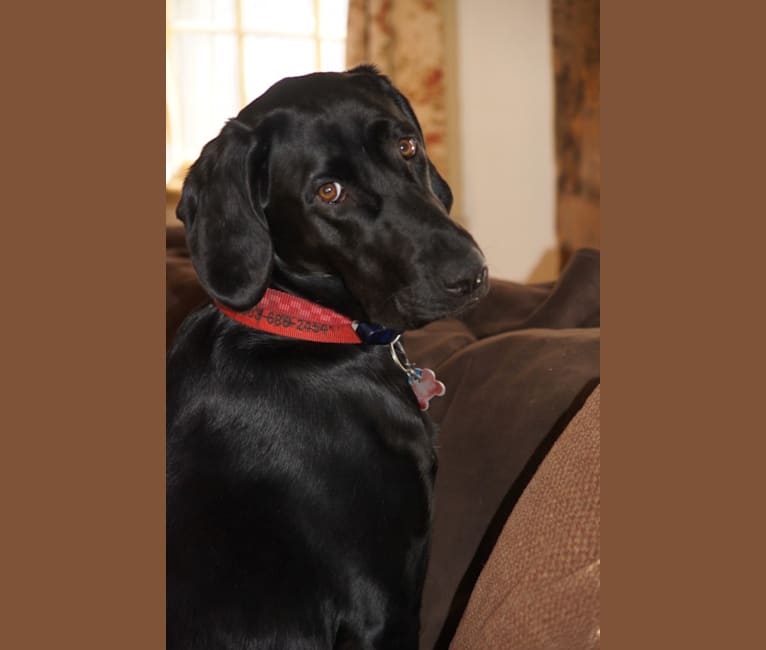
x=226, y=229
x=438, y=185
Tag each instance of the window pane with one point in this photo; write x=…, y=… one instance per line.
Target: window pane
x=333, y=56
x=204, y=13
x=268, y=59
x=205, y=71
x=285, y=16
x=333, y=15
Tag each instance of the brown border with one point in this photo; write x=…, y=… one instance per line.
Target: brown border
x=83, y=409
x=682, y=150
x=82, y=459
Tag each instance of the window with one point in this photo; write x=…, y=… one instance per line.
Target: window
x=222, y=54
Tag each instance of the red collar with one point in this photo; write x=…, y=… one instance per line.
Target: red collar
x=298, y=318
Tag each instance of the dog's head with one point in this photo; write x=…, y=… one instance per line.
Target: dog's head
x=324, y=180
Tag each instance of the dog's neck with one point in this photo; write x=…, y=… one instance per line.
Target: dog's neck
x=323, y=289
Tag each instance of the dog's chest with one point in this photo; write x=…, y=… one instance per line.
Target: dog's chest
x=348, y=444
x=366, y=404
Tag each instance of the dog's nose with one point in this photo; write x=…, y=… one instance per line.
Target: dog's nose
x=469, y=284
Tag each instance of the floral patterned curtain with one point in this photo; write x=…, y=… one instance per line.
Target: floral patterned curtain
x=577, y=57
x=405, y=40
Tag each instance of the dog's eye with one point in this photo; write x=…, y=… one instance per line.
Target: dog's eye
x=330, y=192
x=408, y=147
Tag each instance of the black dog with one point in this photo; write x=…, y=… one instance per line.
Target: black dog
x=300, y=473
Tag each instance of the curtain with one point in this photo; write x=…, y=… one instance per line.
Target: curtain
x=576, y=56
x=405, y=40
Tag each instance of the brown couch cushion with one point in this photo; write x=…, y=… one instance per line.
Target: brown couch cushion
x=540, y=588
x=517, y=368
x=183, y=293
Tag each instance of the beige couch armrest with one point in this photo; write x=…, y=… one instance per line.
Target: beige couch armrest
x=540, y=587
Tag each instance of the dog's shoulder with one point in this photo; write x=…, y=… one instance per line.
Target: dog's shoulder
x=224, y=378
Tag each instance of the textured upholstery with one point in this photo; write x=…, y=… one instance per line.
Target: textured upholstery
x=540, y=587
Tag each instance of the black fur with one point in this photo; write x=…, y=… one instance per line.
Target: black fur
x=299, y=474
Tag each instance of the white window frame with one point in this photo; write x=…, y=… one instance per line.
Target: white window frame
x=240, y=32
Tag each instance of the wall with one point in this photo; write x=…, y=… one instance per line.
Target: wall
x=500, y=76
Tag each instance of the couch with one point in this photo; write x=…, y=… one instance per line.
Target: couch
x=515, y=552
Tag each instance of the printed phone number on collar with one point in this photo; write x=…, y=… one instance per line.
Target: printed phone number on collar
x=286, y=321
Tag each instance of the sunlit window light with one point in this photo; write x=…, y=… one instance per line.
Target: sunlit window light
x=222, y=54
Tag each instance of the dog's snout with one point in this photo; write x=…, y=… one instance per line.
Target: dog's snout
x=474, y=281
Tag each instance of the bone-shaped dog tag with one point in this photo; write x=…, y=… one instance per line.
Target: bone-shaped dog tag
x=422, y=381
x=425, y=385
